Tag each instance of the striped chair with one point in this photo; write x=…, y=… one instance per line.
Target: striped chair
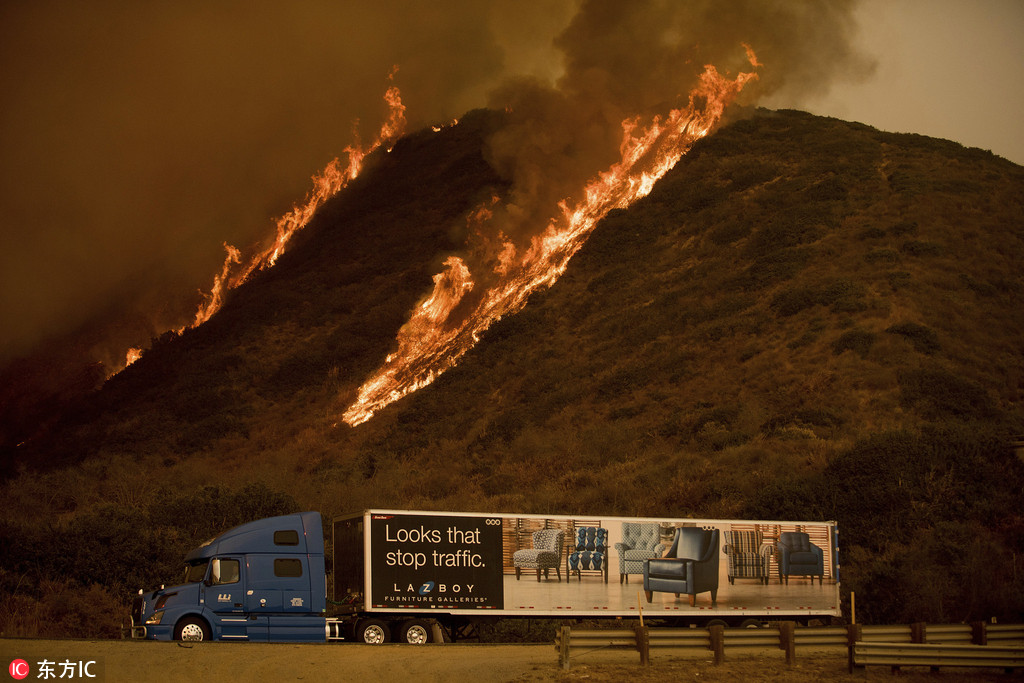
x=749, y=556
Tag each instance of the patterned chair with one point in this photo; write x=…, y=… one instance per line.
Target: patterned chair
x=640, y=541
x=545, y=554
x=590, y=553
x=749, y=556
x=690, y=567
x=799, y=557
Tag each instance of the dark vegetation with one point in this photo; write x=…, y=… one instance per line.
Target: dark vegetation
x=807, y=318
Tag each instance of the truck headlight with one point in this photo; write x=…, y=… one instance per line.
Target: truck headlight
x=155, y=618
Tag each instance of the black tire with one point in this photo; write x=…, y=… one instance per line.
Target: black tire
x=192, y=629
x=412, y=631
x=372, y=632
x=750, y=623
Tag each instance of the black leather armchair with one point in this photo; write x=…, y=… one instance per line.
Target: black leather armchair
x=691, y=566
x=799, y=557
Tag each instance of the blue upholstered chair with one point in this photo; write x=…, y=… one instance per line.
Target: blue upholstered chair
x=799, y=557
x=690, y=567
x=590, y=552
x=640, y=541
x=749, y=556
x=545, y=554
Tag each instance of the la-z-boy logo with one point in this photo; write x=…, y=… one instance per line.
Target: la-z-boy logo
x=431, y=587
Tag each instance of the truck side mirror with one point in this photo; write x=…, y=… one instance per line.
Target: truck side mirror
x=213, y=575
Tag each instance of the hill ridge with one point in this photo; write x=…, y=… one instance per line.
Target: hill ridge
x=806, y=317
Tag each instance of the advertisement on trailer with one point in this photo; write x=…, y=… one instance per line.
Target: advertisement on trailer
x=551, y=565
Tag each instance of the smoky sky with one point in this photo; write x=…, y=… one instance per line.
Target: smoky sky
x=640, y=59
x=136, y=138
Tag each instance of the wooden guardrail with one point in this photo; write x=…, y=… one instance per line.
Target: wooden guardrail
x=784, y=636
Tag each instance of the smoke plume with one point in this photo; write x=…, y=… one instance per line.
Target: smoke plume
x=139, y=137
x=620, y=61
x=623, y=60
x=593, y=141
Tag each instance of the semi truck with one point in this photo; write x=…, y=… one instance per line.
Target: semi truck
x=418, y=576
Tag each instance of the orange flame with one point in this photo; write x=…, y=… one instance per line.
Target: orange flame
x=133, y=355
x=325, y=185
x=429, y=343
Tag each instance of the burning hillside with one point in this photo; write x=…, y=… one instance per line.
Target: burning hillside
x=628, y=94
x=447, y=323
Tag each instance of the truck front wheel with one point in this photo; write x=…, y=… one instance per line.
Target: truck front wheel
x=192, y=629
x=414, y=631
x=371, y=632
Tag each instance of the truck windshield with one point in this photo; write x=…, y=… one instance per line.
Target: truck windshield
x=194, y=573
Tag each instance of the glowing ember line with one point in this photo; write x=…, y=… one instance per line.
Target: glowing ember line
x=429, y=344
x=326, y=184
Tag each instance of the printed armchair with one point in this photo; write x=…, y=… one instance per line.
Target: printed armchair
x=590, y=553
x=690, y=567
x=545, y=554
x=799, y=557
x=640, y=541
x=749, y=556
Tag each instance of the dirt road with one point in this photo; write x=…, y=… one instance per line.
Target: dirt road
x=269, y=663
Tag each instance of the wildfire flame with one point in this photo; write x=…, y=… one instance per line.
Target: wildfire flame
x=326, y=184
x=429, y=343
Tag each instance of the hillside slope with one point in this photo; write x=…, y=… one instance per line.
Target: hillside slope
x=806, y=318
x=795, y=284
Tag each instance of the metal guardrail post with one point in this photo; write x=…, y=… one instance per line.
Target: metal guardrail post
x=853, y=634
x=979, y=633
x=918, y=632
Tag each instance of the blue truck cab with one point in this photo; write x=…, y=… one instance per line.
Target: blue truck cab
x=261, y=581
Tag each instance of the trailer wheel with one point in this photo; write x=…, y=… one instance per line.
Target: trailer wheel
x=192, y=629
x=750, y=623
x=413, y=631
x=372, y=632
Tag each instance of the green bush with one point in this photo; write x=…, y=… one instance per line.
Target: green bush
x=840, y=295
x=773, y=267
x=858, y=341
x=923, y=338
x=928, y=522
x=882, y=255
x=938, y=393
x=904, y=228
x=899, y=279
x=919, y=248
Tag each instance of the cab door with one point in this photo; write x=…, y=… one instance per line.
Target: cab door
x=225, y=590
x=279, y=589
